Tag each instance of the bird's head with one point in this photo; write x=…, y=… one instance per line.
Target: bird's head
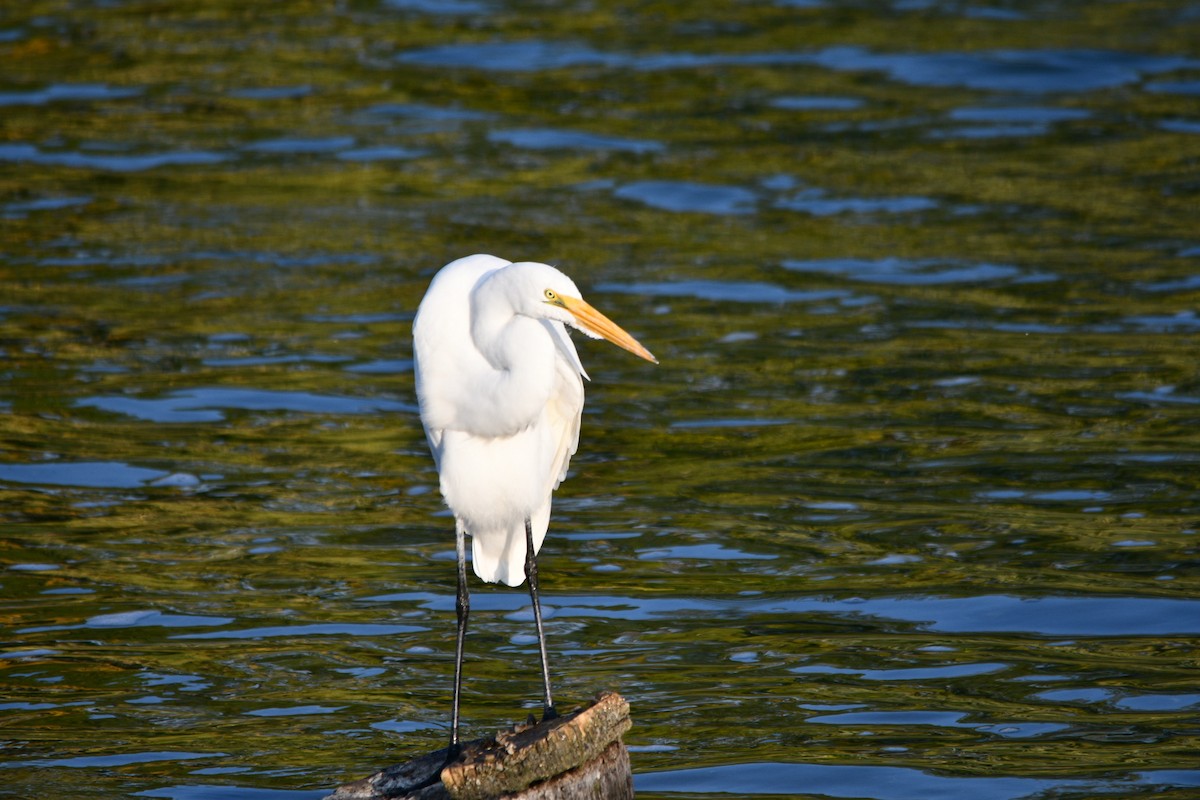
x=555, y=296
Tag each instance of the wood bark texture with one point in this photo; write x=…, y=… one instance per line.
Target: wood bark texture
x=579, y=756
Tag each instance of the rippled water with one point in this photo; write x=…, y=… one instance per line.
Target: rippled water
x=908, y=510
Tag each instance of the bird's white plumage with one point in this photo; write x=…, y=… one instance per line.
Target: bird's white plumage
x=501, y=393
x=500, y=387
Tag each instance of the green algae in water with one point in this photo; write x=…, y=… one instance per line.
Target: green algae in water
x=908, y=507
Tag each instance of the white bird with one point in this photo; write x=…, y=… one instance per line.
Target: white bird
x=500, y=388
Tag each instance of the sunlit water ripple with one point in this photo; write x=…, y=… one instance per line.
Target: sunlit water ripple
x=908, y=510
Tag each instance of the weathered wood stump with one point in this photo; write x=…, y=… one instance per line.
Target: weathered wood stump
x=579, y=756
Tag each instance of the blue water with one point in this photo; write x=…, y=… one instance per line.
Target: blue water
x=907, y=510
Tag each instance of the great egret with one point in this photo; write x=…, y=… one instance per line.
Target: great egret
x=500, y=387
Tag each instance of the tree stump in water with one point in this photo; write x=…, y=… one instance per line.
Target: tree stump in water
x=579, y=756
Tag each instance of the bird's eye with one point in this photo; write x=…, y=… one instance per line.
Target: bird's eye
x=551, y=296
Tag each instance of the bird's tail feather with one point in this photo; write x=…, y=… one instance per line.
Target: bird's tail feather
x=498, y=555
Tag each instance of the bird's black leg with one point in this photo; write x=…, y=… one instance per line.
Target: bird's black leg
x=462, y=606
x=548, y=711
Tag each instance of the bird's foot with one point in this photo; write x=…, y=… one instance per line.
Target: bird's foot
x=453, y=752
x=548, y=713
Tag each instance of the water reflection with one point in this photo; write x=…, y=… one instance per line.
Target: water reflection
x=1009, y=120
x=67, y=92
x=883, y=783
x=1021, y=71
x=904, y=272
x=30, y=154
x=817, y=202
x=209, y=404
x=94, y=474
x=543, y=139
x=916, y=477
x=687, y=196
x=727, y=291
x=817, y=103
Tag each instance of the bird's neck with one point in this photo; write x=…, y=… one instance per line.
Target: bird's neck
x=522, y=356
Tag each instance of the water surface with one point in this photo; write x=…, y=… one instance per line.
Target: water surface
x=908, y=509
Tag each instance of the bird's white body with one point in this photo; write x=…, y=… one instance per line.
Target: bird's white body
x=501, y=393
x=501, y=396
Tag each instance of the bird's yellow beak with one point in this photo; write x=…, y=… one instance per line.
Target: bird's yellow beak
x=599, y=325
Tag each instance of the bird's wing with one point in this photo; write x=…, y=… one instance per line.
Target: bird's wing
x=502, y=557
x=565, y=408
x=441, y=339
